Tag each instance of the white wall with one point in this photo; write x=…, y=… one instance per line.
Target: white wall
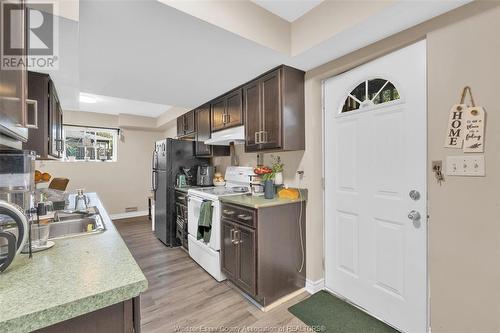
x=120, y=184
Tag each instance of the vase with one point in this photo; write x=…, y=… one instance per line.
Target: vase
x=268, y=189
x=278, y=178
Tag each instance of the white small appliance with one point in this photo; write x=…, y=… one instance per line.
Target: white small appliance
x=207, y=255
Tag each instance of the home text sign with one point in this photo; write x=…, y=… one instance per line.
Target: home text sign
x=454, y=133
x=474, y=129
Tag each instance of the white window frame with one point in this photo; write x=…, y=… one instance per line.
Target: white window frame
x=85, y=129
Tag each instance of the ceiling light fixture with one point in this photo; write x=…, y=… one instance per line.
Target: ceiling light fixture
x=84, y=98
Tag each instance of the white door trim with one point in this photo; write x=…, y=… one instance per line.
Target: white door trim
x=323, y=130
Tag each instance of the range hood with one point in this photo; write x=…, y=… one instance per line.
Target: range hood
x=225, y=137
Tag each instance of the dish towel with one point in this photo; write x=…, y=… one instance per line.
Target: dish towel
x=205, y=221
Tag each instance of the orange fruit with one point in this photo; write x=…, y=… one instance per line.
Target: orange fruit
x=46, y=176
x=38, y=176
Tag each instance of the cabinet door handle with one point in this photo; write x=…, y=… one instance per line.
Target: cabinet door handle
x=181, y=198
x=256, y=137
x=231, y=235
x=228, y=212
x=26, y=123
x=237, y=239
x=245, y=217
x=228, y=118
x=264, y=137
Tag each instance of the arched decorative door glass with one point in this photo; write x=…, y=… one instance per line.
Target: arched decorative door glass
x=369, y=93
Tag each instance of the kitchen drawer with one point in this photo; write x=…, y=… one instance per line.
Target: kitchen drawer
x=240, y=214
x=181, y=198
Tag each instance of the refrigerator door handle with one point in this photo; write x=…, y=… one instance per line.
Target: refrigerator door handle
x=154, y=181
x=155, y=160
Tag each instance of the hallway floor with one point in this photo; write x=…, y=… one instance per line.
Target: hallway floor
x=182, y=297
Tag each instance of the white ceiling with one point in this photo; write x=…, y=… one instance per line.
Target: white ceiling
x=289, y=10
x=145, y=51
x=112, y=105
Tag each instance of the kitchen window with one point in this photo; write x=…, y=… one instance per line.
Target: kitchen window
x=90, y=143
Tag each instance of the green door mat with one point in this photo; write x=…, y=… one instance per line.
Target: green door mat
x=326, y=313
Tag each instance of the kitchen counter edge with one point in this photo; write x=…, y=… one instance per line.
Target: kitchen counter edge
x=100, y=293
x=256, y=202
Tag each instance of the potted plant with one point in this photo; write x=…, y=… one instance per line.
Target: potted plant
x=277, y=168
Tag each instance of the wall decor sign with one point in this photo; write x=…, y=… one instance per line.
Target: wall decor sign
x=454, y=133
x=466, y=125
x=474, y=130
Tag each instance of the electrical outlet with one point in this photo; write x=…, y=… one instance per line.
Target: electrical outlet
x=467, y=165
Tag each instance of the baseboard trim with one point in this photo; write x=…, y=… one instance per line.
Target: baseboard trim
x=120, y=216
x=313, y=287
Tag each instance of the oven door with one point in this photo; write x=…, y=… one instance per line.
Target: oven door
x=194, y=205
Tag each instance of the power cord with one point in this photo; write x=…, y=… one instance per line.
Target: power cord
x=301, y=173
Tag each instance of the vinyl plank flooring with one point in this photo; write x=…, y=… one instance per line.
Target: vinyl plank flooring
x=181, y=295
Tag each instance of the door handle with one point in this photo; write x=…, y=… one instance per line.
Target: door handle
x=245, y=217
x=26, y=123
x=231, y=235
x=414, y=216
x=228, y=212
x=264, y=137
x=236, y=240
x=257, y=137
x=153, y=180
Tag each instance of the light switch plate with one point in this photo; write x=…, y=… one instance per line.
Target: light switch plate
x=466, y=165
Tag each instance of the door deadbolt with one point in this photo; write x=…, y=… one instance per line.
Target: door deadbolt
x=414, y=195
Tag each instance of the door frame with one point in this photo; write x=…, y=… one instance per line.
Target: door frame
x=323, y=168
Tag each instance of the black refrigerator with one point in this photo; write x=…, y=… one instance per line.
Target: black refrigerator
x=169, y=157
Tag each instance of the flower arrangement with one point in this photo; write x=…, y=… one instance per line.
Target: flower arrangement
x=270, y=173
x=277, y=164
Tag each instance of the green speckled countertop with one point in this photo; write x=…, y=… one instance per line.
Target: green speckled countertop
x=256, y=202
x=78, y=275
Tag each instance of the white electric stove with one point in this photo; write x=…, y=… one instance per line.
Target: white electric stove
x=207, y=255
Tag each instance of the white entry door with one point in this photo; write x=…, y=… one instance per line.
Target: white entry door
x=375, y=187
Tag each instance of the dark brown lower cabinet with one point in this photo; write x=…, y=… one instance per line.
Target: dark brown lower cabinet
x=261, y=249
x=247, y=256
x=229, y=249
x=181, y=212
x=117, y=318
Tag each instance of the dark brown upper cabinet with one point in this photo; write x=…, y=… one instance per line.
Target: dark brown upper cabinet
x=273, y=106
x=47, y=139
x=203, y=120
x=16, y=112
x=218, y=111
x=227, y=111
x=186, y=125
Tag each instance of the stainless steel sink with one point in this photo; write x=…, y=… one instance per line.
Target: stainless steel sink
x=71, y=224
